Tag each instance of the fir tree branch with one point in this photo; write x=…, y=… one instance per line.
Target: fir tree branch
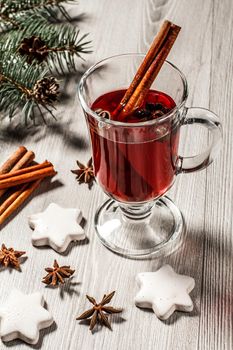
x=20, y=85
x=7, y=21
x=9, y=6
x=24, y=82
x=61, y=42
x=17, y=7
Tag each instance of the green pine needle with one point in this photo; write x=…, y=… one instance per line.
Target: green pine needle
x=20, y=75
x=17, y=80
x=63, y=42
x=11, y=11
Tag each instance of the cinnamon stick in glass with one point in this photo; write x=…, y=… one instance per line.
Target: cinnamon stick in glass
x=148, y=70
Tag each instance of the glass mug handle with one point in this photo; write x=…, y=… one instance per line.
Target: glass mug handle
x=208, y=119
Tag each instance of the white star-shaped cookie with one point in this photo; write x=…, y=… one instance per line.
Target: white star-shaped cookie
x=22, y=316
x=164, y=291
x=56, y=227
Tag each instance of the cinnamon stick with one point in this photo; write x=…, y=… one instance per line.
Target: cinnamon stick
x=5, y=205
x=141, y=91
x=148, y=71
x=27, y=177
x=26, y=170
x=14, y=158
x=22, y=159
x=16, y=171
x=150, y=56
x=22, y=195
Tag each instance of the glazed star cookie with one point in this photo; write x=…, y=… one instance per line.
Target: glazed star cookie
x=22, y=316
x=56, y=227
x=164, y=291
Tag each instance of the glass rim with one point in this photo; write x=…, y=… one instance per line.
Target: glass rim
x=161, y=119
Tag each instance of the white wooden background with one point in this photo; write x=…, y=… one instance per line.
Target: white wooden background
x=204, y=53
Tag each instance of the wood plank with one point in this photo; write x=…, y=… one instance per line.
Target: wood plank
x=216, y=294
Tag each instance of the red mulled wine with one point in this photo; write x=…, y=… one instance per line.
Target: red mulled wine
x=135, y=164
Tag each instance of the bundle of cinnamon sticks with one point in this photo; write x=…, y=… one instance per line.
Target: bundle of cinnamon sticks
x=19, y=177
x=148, y=70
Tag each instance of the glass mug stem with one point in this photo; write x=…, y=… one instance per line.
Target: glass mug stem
x=209, y=120
x=136, y=212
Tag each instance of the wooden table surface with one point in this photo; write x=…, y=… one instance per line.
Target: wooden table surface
x=203, y=52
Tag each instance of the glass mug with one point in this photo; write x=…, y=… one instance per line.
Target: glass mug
x=136, y=163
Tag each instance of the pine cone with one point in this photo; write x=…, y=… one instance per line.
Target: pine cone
x=46, y=90
x=34, y=48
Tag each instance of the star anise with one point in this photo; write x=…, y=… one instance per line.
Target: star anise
x=85, y=173
x=56, y=274
x=34, y=48
x=151, y=111
x=10, y=257
x=100, y=312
